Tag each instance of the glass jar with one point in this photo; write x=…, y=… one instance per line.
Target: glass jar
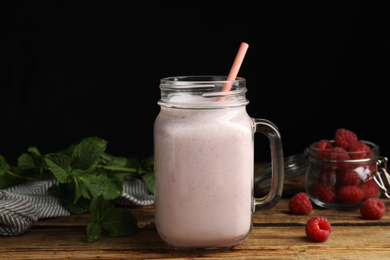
x=203, y=148
x=341, y=184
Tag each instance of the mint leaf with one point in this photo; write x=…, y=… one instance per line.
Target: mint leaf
x=96, y=210
x=25, y=162
x=37, y=157
x=93, y=186
x=94, y=230
x=79, y=184
x=38, y=160
x=6, y=179
x=119, y=222
x=116, y=221
x=146, y=170
x=87, y=153
x=132, y=162
x=59, y=165
x=62, y=191
x=146, y=165
x=80, y=208
x=113, y=185
x=11, y=175
x=148, y=179
x=34, y=151
x=3, y=165
x=114, y=161
x=30, y=165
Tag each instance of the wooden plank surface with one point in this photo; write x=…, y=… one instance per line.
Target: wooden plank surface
x=276, y=234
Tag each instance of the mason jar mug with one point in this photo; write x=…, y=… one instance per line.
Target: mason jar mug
x=204, y=163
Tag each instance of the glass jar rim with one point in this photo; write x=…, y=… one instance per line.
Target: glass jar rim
x=202, y=92
x=319, y=154
x=198, y=79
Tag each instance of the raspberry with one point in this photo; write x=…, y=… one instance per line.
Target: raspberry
x=318, y=228
x=327, y=176
x=339, y=154
x=373, y=208
x=300, y=204
x=325, y=193
x=348, y=177
x=370, y=189
x=345, y=138
x=350, y=194
x=359, y=150
x=323, y=146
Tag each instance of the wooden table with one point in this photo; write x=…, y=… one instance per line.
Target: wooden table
x=276, y=234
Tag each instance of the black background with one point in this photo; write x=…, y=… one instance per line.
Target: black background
x=91, y=68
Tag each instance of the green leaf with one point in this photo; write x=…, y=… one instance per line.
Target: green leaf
x=146, y=170
x=59, y=165
x=87, y=153
x=146, y=166
x=94, y=230
x=34, y=151
x=80, y=185
x=114, y=161
x=10, y=175
x=112, y=183
x=25, y=162
x=97, y=210
x=132, y=162
x=3, y=165
x=148, y=179
x=116, y=221
x=118, y=161
x=7, y=179
x=79, y=208
x=93, y=185
x=119, y=222
x=37, y=158
x=74, y=185
x=66, y=192
x=60, y=191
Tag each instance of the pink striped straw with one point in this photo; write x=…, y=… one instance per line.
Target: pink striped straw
x=235, y=68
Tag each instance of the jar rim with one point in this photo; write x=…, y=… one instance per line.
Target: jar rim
x=198, y=79
x=202, y=92
x=320, y=154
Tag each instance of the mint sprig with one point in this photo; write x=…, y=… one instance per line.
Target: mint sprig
x=116, y=221
x=89, y=178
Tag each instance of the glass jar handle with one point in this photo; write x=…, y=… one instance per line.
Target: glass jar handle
x=271, y=131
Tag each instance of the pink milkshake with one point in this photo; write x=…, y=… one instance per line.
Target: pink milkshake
x=203, y=166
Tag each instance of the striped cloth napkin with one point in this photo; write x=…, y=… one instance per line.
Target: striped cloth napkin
x=22, y=205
